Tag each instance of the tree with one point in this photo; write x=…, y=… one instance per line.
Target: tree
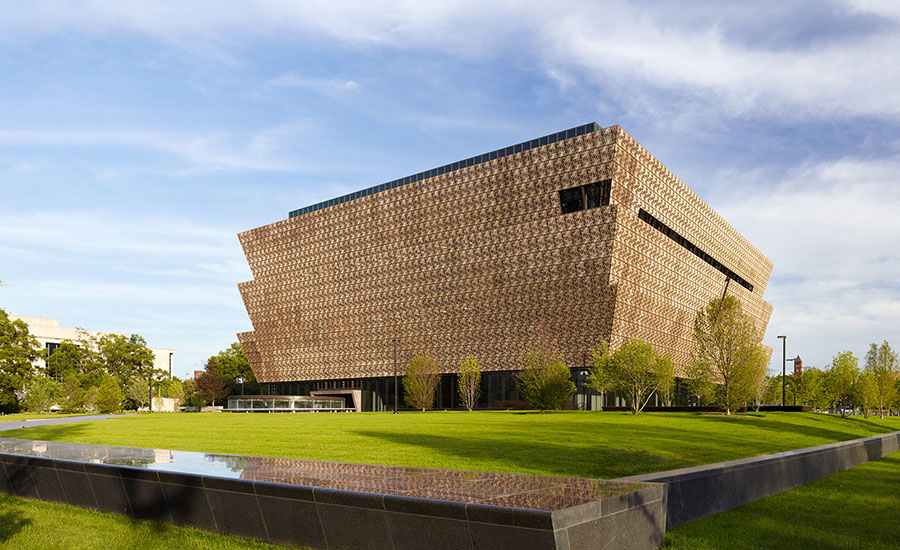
x=750, y=381
x=125, y=358
x=882, y=362
x=810, y=388
x=41, y=394
x=18, y=350
x=420, y=382
x=639, y=372
x=545, y=379
x=210, y=385
x=699, y=382
x=138, y=390
x=759, y=389
x=174, y=389
x=841, y=377
x=865, y=392
x=72, y=357
x=191, y=395
x=109, y=396
x=728, y=345
x=72, y=395
x=599, y=378
x=232, y=364
x=469, y=381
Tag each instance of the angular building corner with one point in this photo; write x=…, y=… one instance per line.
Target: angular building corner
x=581, y=235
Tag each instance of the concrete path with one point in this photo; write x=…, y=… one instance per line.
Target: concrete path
x=18, y=424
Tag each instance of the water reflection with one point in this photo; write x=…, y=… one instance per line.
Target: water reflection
x=521, y=491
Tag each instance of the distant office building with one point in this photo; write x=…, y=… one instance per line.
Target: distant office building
x=582, y=236
x=50, y=335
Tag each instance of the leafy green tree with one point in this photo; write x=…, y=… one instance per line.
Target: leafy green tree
x=841, y=377
x=545, y=379
x=639, y=372
x=138, y=390
x=895, y=404
x=599, y=377
x=865, y=392
x=699, y=382
x=421, y=381
x=233, y=363
x=211, y=385
x=773, y=390
x=173, y=388
x=72, y=357
x=125, y=358
x=728, y=345
x=882, y=362
x=469, y=382
x=72, y=396
x=41, y=393
x=810, y=388
x=109, y=396
x=18, y=350
x=192, y=397
x=750, y=381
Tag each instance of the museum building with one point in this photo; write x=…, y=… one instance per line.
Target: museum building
x=581, y=237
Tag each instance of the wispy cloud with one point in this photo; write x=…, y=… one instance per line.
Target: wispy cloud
x=692, y=50
x=264, y=150
x=143, y=244
x=323, y=85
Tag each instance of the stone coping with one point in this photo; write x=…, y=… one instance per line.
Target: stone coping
x=700, y=491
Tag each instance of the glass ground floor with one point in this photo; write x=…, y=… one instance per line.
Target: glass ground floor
x=498, y=391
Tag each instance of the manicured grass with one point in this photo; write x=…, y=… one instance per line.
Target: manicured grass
x=583, y=444
x=36, y=525
x=857, y=508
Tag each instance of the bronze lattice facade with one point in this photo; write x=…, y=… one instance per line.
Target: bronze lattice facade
x=582, y=235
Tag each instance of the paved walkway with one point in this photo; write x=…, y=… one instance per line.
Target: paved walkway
x=4, y=426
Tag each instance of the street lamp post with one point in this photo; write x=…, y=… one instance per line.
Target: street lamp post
x=396, y=386
x=240, y=380
x=783, y=366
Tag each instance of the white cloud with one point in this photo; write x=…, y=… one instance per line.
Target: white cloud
x=263, y=150
x=830, y=229
x=689, y=50
x=881, y=8
x=293, y=80
x=143, y=244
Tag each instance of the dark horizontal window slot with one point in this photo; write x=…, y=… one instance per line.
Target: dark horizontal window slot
x=694, y=249
x=583, y=197
x=518, y=148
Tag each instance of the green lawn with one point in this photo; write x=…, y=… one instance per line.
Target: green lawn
x=847, y=510
x=853, y=509
x=583, y=444
x=35, y=525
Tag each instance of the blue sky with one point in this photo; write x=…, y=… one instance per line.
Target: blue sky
x=137, y=139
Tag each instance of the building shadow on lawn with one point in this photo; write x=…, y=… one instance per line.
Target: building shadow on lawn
x=541, y=457
x=50, y=432
x=830, y=435
x=12, y=520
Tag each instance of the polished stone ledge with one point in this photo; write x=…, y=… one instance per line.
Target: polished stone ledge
x=701, y=491
x=332, y=505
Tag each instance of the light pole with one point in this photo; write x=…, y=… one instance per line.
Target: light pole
x=396, y=387
x=240, y=380
x=783, y=365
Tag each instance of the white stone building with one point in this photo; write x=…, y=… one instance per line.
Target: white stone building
x=50, y=335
